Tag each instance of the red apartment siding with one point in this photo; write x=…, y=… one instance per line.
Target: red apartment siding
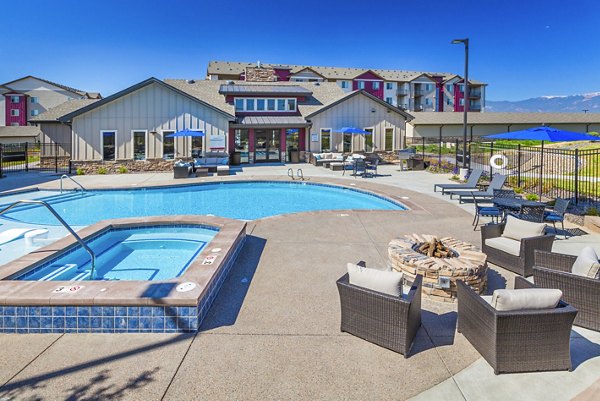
x=21, y=119
x=282, y=74
x=302, y=139
x=369, y=84
x=458, y=95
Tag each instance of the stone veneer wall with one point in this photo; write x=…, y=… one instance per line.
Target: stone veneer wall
x=132, y=166
x=50, y=162
x=255, y=74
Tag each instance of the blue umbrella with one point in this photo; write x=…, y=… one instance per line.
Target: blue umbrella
x=544, y=134
x=185, y=132
x=353, y=130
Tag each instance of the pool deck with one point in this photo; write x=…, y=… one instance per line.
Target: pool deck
x=273, y=331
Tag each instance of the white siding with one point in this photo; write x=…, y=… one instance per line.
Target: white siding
x=358, y=112
x=154, y=108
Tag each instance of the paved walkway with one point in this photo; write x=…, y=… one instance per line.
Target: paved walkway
x=273, y=332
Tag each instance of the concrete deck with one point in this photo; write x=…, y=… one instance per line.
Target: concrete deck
x=273, y=332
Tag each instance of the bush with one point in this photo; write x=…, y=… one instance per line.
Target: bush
x=592, y=211
x=122, y=170
x=518, y=190
x=455, y=178
x=80, y=171
x=102, y=170
x=531, y=197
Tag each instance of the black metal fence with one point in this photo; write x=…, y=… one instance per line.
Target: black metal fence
x=548, y=172
x=445, y=154
x=50, y=157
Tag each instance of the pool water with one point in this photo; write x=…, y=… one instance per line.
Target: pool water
x=245, y=201
x=141, y=253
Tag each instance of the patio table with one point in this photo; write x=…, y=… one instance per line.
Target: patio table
x=515, y=203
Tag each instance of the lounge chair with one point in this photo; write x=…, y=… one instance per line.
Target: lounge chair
x=470, y=184
x=514, y=254
x=496, y=183
x=389, y=321
x=554, y=270
x=525, y=340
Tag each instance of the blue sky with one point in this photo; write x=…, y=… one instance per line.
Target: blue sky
x=520, y=48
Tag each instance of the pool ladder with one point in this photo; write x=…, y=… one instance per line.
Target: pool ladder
x=62, y=177
x=299, y=174
x=64, y=223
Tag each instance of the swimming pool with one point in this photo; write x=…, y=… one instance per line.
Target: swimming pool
x=237, y=200
x=140, y=253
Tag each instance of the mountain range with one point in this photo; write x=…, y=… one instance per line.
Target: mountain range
x=549, y=104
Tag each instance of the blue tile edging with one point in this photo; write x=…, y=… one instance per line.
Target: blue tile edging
x=116, y=319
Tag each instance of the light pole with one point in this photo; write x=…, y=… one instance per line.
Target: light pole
x=466, y=98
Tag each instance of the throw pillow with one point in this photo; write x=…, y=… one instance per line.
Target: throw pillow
x=587, y=263
x=388, y=282
x=525, y=298
x=519, y=229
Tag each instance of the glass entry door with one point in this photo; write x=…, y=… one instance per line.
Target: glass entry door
x=266, y=145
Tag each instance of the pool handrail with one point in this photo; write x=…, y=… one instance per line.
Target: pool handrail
x=72, y=179
x=62, y=221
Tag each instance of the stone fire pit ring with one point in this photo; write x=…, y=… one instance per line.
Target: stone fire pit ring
x=439, y=274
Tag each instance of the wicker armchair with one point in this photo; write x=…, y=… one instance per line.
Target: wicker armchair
x=516, y=341
x=521, y=264
x=553, y=270
x=382, y=319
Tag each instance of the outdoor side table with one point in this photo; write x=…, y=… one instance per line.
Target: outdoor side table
x=201, y=171
x=336, y=166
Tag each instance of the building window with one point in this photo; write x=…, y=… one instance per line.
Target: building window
x=15, y=99
x=449, y=87
x=448, y=101
x=389, y=139
x=168, y=146
x=389, y=100
x=325, y=140
x=280, y=104
x=33, y=99
x=368, y=140
x=462, y=88
x=389, y=85
x=361, y=84
x=376, y=85
x=239, y=104
x=462, y=102
x=249, y=104
x=14, y=112
x=35, y=112
x=271, y=104
x=260, y=104
x=428, y=101
x=108, y=145
x=344, y=84
x=427, y=87
x=291, y=103
x=139, y=145
x=347, y=143
x=197, y=146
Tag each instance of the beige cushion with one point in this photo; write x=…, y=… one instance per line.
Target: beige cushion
x=587, y=263
x=504, y=244
x=526, y=298
x=519, y=229
x=388, y=282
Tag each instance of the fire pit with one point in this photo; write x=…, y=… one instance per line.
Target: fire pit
x=441, y=261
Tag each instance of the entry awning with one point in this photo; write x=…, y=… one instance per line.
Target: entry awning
x=270, y=122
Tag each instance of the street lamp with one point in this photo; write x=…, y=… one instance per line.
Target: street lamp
x=466, y=98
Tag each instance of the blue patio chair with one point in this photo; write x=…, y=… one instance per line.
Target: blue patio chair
x=557, y=214
x=486, y=211
x=371, y=168
x=360, y=167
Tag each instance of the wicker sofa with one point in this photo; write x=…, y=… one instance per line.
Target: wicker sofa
x=318, y=159
x=523, y=262
x=528, y=340
x=385, y=320
x=212, y=160
x=553, y=270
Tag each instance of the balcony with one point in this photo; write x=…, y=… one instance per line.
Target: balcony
x=474, y=94
x=418, y=92
x=402, y=92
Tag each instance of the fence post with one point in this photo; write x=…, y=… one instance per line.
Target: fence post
x=576, y=175
x=1, y=162
x=455, y=154
x=56, y=157
x=423, y=149
x=491, y=154
x=519, y=165
x=541, y=169
x=26, y=157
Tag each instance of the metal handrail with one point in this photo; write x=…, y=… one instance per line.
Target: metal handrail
x=300, y=174
x=70, y=178
x=64, y=223
x=290, y=173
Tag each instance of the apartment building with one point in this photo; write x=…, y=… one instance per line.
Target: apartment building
x=27, y=97
x=409, y=90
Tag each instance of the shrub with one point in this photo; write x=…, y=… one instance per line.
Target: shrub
x=518, y=190
x=102, y=170
x=80, y=171
x=455, y=178
x=592, y=211
x=122, y=170
x=531, y=197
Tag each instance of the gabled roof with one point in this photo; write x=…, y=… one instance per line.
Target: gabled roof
x=67, y=88
x=136, y=87
x=367, y=94
x=307, y=69
x=55, y=113
x=369, y=71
